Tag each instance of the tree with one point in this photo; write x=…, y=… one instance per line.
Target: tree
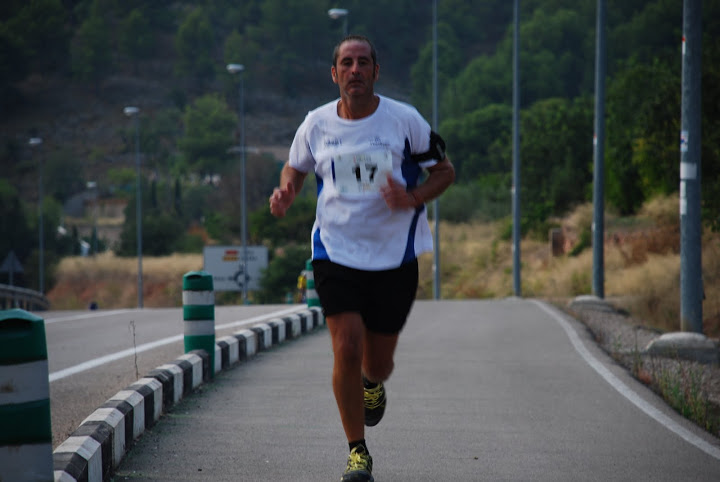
x=209, y=126
x=91, y=59
x=556, y=155
x=281, y=275
x=643, y=127
x=14, y=225
x=449, y=62
x=295, y=227
x=136, y=37
x=475, y=139
x=195, y=44
x=161, y=231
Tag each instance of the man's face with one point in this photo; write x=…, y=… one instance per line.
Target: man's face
x=354, y=71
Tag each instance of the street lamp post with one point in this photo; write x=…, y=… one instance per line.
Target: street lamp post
x=336, y=13
x=133, y=112
x=239, y=69
x=36, y=141
x=436, y=202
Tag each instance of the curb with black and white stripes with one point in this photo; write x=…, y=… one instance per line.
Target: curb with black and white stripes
x=94, y=450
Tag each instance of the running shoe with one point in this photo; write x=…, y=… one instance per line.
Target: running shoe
x=375, y=401
x=359, y=466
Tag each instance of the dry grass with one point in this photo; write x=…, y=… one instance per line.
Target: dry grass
x=642, y=269
x=111, y=281
x=642, y=266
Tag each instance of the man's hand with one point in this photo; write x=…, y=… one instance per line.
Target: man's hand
x=282, y=199
x=396, y=196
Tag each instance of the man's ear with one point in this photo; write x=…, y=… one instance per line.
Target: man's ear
x=333, y=74
x=377, y=71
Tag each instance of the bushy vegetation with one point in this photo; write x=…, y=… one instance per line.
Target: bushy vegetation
x=285, y=46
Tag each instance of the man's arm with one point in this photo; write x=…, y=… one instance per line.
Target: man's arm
x=291, y=181
x=440, y=177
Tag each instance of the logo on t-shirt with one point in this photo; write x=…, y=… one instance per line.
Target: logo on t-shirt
x=333, y=142
x=377, y=142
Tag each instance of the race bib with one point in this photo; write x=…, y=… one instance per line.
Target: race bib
x=361, y=173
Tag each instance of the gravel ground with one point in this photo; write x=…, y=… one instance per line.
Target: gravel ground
x=692, y=388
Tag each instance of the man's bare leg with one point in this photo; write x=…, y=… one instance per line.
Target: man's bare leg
x=347, y=333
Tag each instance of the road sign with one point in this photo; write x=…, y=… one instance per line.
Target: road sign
x=225, y=264
x=11, y=264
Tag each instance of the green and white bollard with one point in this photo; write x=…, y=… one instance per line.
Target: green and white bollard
x=25, y=427
x=310, y=293
x=199, y=314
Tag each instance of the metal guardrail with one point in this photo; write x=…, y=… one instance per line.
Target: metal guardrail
x=23, y=298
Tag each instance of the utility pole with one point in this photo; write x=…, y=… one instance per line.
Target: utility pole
x=516, y=234
x=691, y=283
x=598, y=226
x=436, y=202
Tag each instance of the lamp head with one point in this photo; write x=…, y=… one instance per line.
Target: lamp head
x=336, y=13
x=235, y=68
x=131, y=111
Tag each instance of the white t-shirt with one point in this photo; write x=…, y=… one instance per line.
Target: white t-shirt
x=351, y=159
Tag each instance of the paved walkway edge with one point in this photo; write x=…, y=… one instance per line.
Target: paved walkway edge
x=94, y=450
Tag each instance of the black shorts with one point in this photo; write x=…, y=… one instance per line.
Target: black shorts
x=383, y=298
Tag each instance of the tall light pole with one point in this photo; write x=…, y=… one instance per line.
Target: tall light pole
x=691, y=283
x=598, y=226
x=36, y=141
x=516, y=234
x=336, y=13
x=436, y=202
x=238, y=69
x=134, y=112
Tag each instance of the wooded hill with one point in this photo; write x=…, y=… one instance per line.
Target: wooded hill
x=68, y=67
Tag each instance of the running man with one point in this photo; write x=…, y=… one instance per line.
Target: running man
x=368, y=153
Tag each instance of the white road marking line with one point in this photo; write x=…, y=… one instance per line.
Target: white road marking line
x=96, y=362
x=629, y=393
x=96, y=314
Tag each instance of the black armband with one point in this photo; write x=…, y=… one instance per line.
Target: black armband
x=436, y=151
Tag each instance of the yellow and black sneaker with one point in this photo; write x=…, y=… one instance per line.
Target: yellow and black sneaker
x=359, y=466
x=375, y=401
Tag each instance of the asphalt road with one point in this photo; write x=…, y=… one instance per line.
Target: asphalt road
x=92, y=355
x=482, y=390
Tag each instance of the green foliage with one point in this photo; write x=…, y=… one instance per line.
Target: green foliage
x=162, y=232
x=121, y=181
x=449, y=62
x=90, y=59
x=485, y=199
x=14, y=225
x=282, y=272
x=158, y=140
x=209, y=125
x=136, y=36
x=556, y=156
x=710, y=150
x=477, y=141
x=583, y=243
x=195, y=44
x=294, y=227
x=63, y=174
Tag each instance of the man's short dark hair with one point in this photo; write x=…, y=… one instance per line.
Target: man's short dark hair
x=360, y=38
